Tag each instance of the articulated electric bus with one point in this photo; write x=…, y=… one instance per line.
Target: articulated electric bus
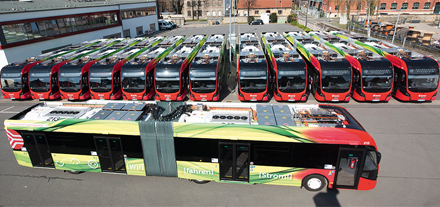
x=14, y=77
x=314, y=146
x=137, y=75
x=74, y=76
x=325, y=36
x=372, y=76
x=43, y=77
x=105, y=72
x=416, y=76
x=290, y=71
x=254, y=73
x=330, y=74
x=207, y=71
x=303, y=38
x=172, y=72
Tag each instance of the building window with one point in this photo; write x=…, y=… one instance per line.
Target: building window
x=257, y=12
x=127, y=33
x=336, y=8
x=207, y=14
x=140, y=12
x=189, y=13
x=139, y=30
x=393, y=6
x=219, y=13
x=31, y=30
x=427, y=5
x=280, y=12
x=405, y=6
x=188, y=3
x=213, y=13
x=416, y=5
x=383, y=6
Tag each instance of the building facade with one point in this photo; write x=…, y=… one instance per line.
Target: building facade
x=30, y=29
x=280, y=7
x=333, y=8
x=206, y=9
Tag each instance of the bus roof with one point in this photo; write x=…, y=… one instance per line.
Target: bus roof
x=250, y=121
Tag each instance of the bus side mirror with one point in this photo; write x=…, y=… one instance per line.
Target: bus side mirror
x=379, y=156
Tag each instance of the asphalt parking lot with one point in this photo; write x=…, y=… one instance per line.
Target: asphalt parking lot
x=407, y=135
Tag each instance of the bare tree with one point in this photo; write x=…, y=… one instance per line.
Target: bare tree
x=338, y=4
x=177, y=5
x=248, y=4
x=348, y=7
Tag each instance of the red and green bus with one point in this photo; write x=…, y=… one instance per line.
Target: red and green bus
x=314, y=146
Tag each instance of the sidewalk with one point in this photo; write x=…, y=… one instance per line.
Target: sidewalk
x=425, y=27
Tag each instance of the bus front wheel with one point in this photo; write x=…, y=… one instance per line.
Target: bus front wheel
x=314, y=182
x=200, y=181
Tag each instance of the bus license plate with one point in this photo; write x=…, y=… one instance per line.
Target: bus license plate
x=12, y=96
x=376, y=98
x=291, y=98
x=253, y=97
x=167, y=98
x=421, y=98
x=335, y=97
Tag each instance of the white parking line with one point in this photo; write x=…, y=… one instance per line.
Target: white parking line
x=4, y=111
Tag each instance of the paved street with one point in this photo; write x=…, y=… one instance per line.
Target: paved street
x=407, y=135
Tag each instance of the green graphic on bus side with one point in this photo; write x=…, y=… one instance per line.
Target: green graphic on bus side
x=299, y=47
x=72, y=162
x=70, y=51
x=196, y=49
x=168, y=50
x=135, y=166
x=198, y=170
x=143, y=50
x=23, y=158
x=95, y=50
x=339, y=51
x=274, y=175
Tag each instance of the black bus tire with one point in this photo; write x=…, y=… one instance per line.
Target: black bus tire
x=74, y=172
x=200, y=181
x=314, y=182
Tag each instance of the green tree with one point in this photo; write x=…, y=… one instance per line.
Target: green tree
x=273, y=17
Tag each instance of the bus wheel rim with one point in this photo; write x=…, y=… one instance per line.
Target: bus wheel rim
x=314, y=183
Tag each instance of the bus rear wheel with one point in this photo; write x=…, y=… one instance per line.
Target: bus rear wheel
x=314, y=182
x=200, y=181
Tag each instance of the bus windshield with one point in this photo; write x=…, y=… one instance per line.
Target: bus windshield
x=168, y=78
x=39, y=79
x=423, y=79
x=291, y=80
x=100, y=81
x=70, y=82
x=252, y=79
x=203, y=79
x=133, y=80
x=11, y=81
x=335, y=77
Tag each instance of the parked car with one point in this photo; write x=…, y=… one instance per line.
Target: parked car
x=256, y=22
x=163, y=25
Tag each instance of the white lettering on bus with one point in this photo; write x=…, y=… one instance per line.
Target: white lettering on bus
x=275, y=176
x=191, y=170
x=135, y=167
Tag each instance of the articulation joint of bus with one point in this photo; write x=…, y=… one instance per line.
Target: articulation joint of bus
x=207, y=70
x=254, y=73
x=137, y=75
x=416, y=76
x=330, y=73
x=172, y=72
x=290, y=75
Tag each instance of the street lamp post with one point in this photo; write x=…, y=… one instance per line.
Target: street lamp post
x=323, y=28
x=307, y=11
x=395, y=27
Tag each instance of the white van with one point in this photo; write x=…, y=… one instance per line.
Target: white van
x=163, y=25
x=170, y=22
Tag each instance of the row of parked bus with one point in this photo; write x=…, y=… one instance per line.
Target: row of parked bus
x=332, y=66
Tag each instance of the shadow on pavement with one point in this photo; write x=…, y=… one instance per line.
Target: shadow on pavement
x=327, y=198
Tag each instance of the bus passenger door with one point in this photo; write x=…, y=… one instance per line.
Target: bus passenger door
x=36, y=146
x=348, y=169
x=110, y=154
x=234, y=161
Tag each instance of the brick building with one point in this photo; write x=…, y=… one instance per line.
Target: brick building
x=281, y=7
x=335, y=7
